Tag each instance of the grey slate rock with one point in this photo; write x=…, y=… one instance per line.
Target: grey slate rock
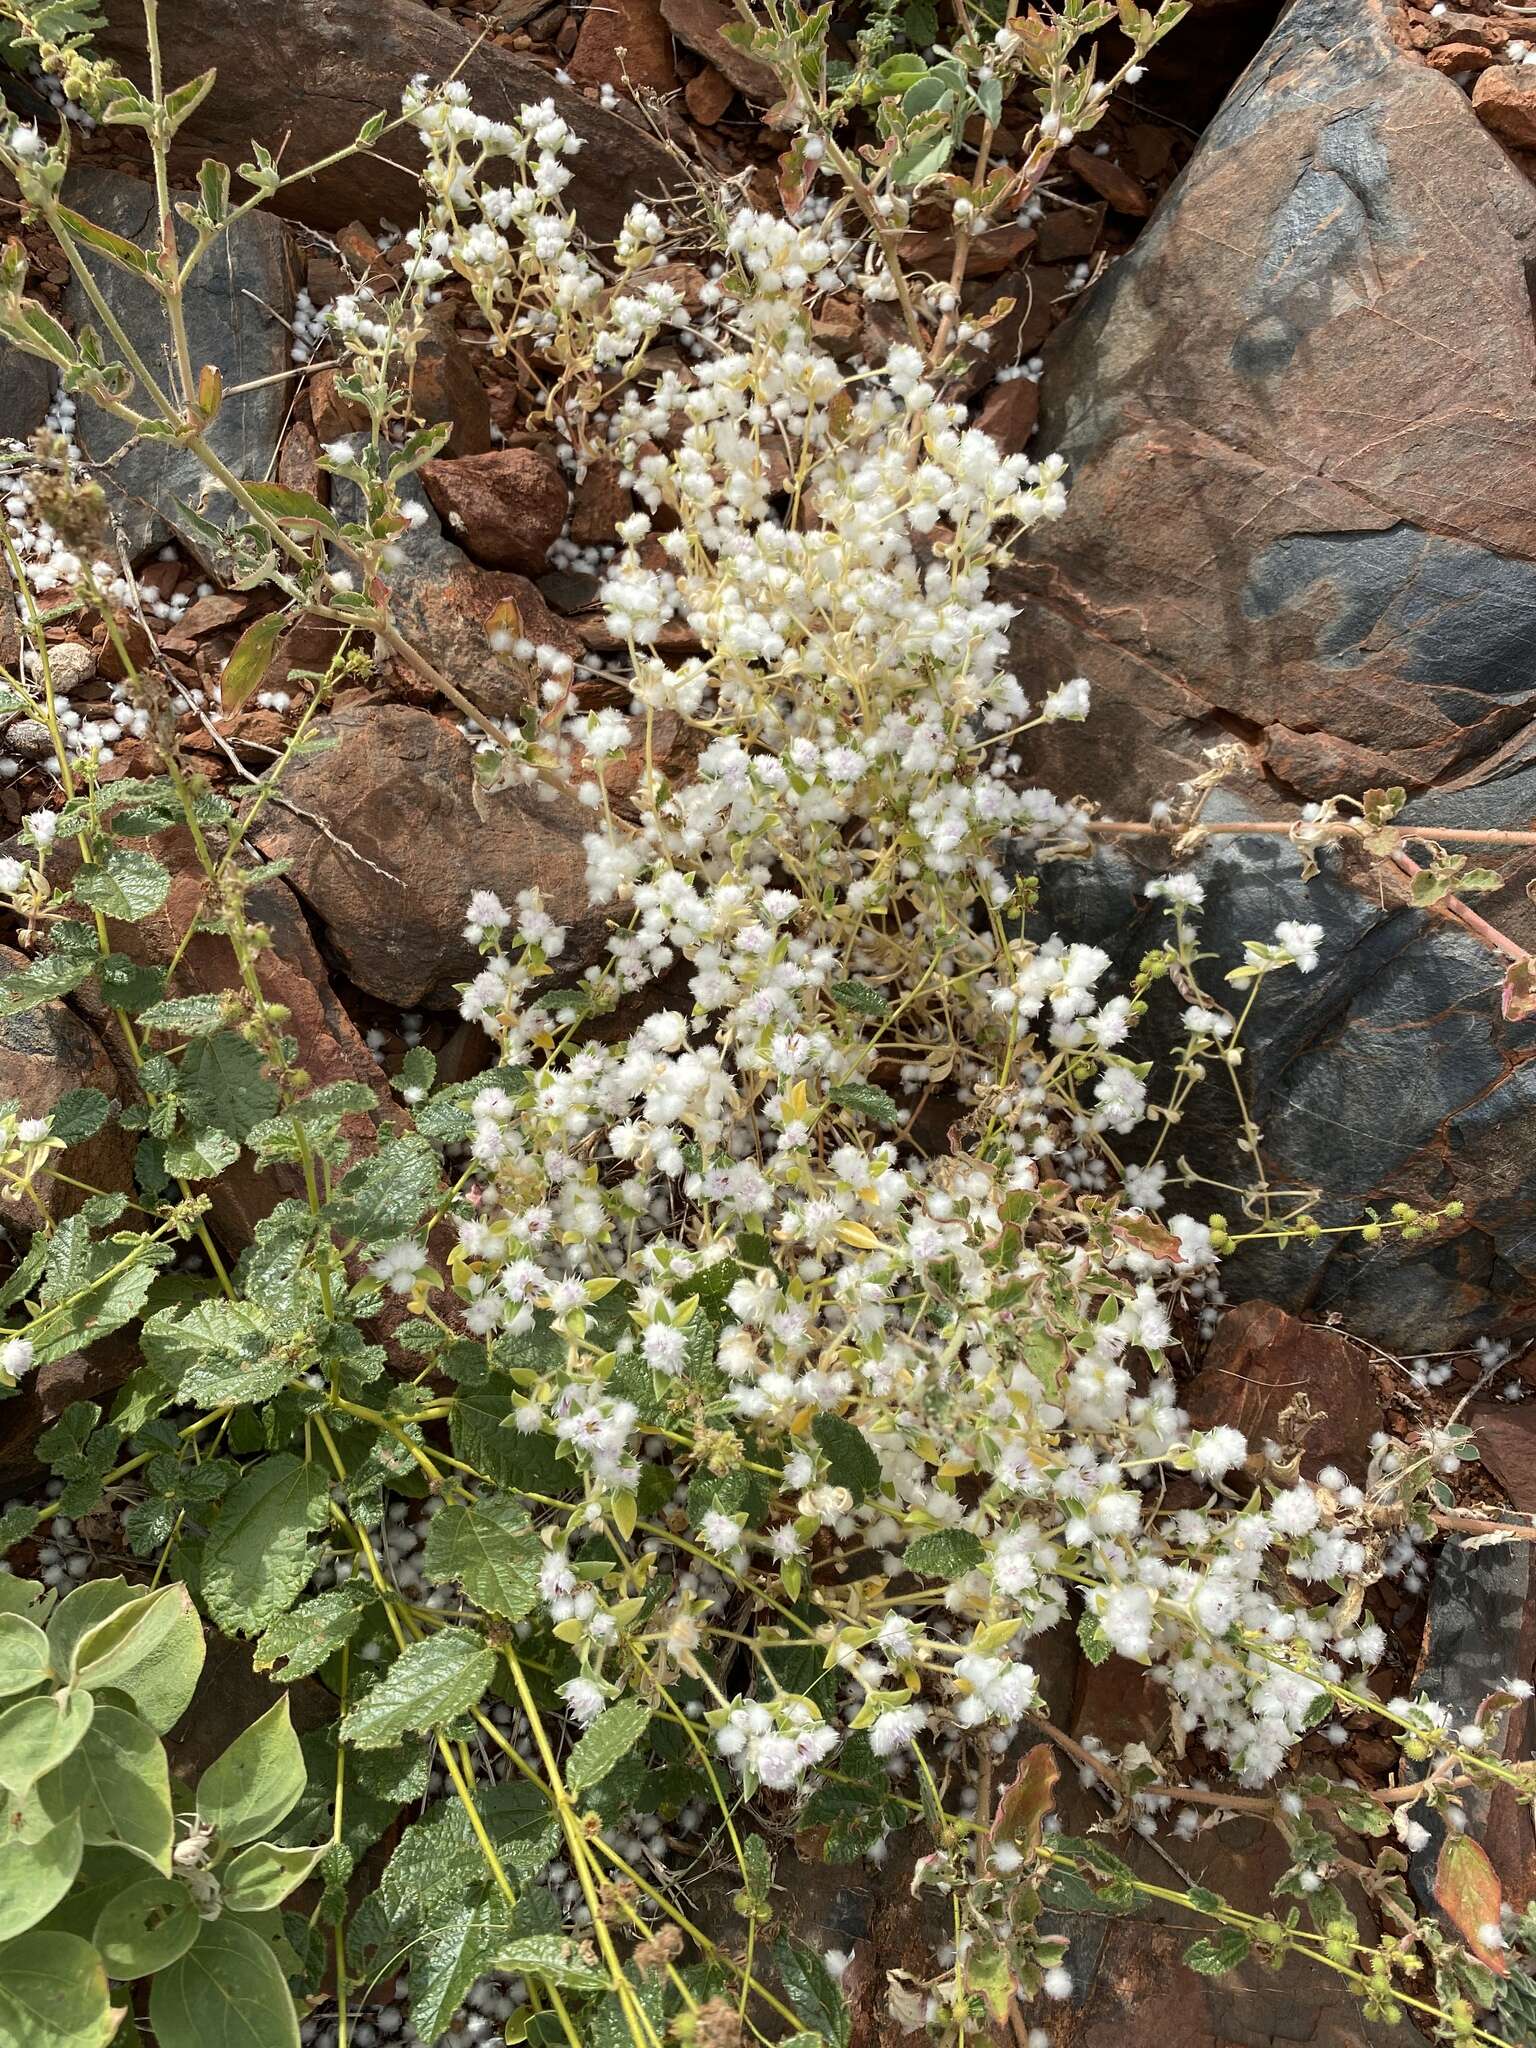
x=236, y=306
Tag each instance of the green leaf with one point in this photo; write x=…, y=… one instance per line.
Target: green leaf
x=553, y=1959
x=609, y=1739
x=284, y=503
x=263, y=1875
x=78, y=1115
x=492, y=1551
x=56, y=973
x=1096, y=1646
x=199, y=1155
x=251, y=658
x=944, y=1554
x=53, y=1994
x=146, y=1928
x=438, y=1860
x=431, y=1682
x=37, y=1735
x=1214, y=1954
x=162, y=1682
x=127, y=885
x=448, y=1958
x=34, y=1876
x=23, y=1654
x=185, y=1016
x=246, y=1792
x=258, y=1557
x=387, y=1196
x=860, y=997
x=112, y=1648
x=300, y=1642
x=128, y=255
x=850, y=1460
x=227, y=1991
x=220, y=1078
x=812, y=1990
x=864, y=1099
x=118, y=1785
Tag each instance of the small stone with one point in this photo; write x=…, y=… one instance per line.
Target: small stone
x=599, y=503
x=505, y=508
x=334, y=417
x=1504, y=99
x=698, y=24
x=707, y=95
x=568, y=591
x=1106, y=178
x=1008, y=413
x=634, y=27
x=71, y=665
x=405, y=839
x=444, y=387
x=29, y=738
x=1257, y=1364
x=1069, y=232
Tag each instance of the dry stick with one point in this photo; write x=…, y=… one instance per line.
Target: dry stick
x=1274, y=828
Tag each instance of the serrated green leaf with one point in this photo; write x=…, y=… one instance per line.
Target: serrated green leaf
x=128, y=885
x=864, y=1099
x=221, y=1080
x=185, y=1016
x=812, y=1990
x=551, y=1959
x=200, y=1155
x=491, y=1549
x=448, y=1957
x=1214, y=1954
x=861, y=997
x=851, y=1461
x=944, y=1554
x=431, y=1682
x=298, y=1643
x=258, y=1556
x=609, y=1739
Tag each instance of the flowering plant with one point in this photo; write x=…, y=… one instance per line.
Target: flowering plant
x=690, y=1430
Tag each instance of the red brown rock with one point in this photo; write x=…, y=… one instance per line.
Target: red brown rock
x=45, y=1054
x=1504, y=99
x=698, y=23
x=633, y=27
x=445, y=387
x=599, y=502
x=1008, y=413
x=387, y=838
x=505, y=508
x=1124, y=193
x=707, y=95
x=1452, y=58
x=308, y=72
x=334, y=417
x=1261, y=1361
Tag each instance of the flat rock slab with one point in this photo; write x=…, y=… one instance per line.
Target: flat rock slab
x=237, y=304
x=313, y=71
x=387, y=838
x=26, y=385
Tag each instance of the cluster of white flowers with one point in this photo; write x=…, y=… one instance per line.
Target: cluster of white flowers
x=731, y=1236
